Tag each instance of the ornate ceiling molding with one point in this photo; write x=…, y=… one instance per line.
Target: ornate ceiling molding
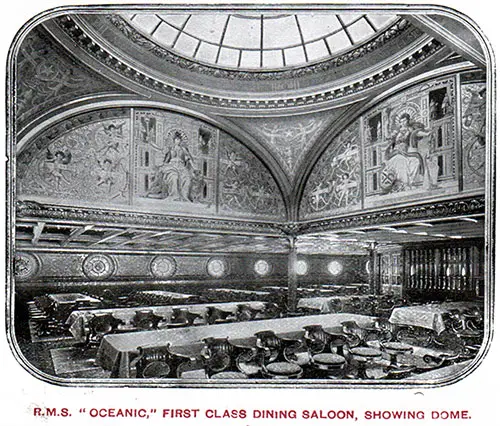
x=439, y=209
x=32, y=209
x=420, y=53
x=342, y=59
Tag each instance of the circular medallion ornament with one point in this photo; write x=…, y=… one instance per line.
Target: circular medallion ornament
x=335, y=267
x=163, y=266
x=301, y=267
x=26, y=266
x=217, y=268
x=262, y=267
x=98, y=266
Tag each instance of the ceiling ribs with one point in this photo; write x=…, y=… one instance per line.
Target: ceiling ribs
x=470, y=49
x=37, y=232
x=75, y=233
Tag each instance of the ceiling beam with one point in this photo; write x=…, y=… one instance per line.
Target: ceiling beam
x=111, y=235
x=37, y=232
x=453, y=34
x=146, y=235
x=76, y=233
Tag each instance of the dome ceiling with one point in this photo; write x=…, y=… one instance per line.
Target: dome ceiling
x=249, y=63
x=259, y=41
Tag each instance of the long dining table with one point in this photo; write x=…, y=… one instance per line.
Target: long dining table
x=429, y=316
x=78, y=320
x=116, y=351
x=329, y=304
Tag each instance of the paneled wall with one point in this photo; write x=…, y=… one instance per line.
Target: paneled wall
x=424, y=143
x=334, y=269
x=61, y=270
x=390, y=269
x=444, y=271
x=56, y=271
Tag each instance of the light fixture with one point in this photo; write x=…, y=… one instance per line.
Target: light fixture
x=335, y=267
x=301, y=267
x=262, y=267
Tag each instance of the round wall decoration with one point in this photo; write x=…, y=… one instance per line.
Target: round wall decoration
x=163, y=266
x=98, y=266
x=335, y=267
x=217, y=267
x=26, y=266
x=301, y=267
x=262, y=267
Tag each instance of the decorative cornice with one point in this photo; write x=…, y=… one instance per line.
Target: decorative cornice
x=32, y=209
x=98, y=52
x=441, y=209
x=230, y=74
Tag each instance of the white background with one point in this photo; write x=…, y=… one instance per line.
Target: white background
x=20, y=392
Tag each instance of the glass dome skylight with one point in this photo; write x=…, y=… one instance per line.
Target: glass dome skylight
x=252, y=41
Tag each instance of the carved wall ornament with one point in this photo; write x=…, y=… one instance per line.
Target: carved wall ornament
x=98, y=266
x=262, y=267
x=26, y=266
x=31, y=209
x=163, y=266
x=335, y=267
x=301, y=267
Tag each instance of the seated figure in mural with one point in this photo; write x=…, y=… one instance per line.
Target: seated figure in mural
x=408, y=157
x=174, y=175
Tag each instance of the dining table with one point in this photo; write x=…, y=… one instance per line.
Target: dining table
x=62, y=304
x=163, y=297
x=430, y=316
x=116, y=351
x=329, y=304
x=78, y=320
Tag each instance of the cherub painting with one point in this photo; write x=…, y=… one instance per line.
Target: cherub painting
x=54, y=167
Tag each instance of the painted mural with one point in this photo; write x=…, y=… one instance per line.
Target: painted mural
x=335, y=182
x=405, y=150
x=150, y=161
x=410, y=144
x=474, y=135
x=175, y=161
x=89, y=163
x=288, y=137
x=50, y=78
x=246, y=187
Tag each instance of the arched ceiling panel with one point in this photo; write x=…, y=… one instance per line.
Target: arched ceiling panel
x=289, y=138
x=147, y=160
